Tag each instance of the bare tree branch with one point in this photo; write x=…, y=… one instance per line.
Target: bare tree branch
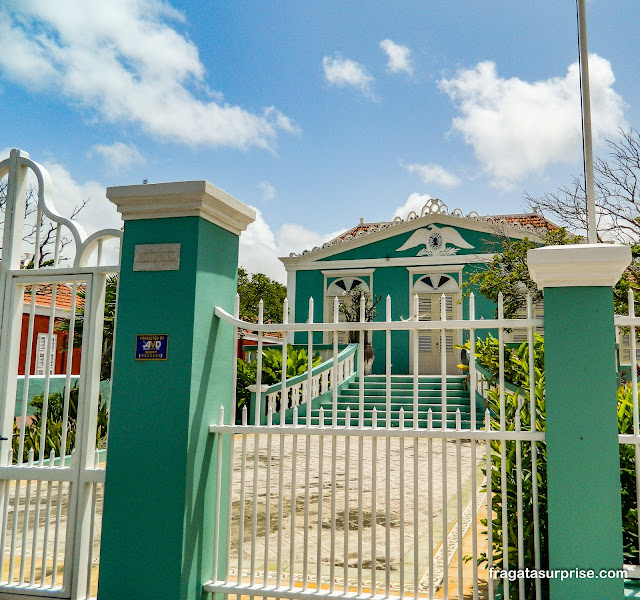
x=31, y=225
x=616, y=189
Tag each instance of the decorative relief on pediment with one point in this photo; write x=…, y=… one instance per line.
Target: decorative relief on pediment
x=436, y=241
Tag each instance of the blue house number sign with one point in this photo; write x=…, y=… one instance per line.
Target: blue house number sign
x=152, y=346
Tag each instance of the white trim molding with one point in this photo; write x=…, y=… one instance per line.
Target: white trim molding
x=348, y=273
x=360, y=264
x=436, y=269
x=182, y=199
x=582, y=265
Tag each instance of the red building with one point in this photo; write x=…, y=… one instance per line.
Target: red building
x=58, y=343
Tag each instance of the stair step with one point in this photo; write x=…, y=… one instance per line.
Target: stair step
x=404, y=388
x=395, y=423
x=409, y=378
x=394, y=415
x=381, y=407
x=402, y=397
x=404, y=393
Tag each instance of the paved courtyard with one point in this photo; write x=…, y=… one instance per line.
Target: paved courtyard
x=369, y=550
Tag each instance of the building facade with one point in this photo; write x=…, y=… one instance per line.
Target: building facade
x=428, y=256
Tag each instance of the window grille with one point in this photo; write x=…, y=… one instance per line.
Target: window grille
x=424, y=308
x=424, y=343
x=449, y=344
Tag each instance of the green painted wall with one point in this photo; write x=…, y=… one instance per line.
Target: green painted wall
x=388, y=248
x=56, y=386
x=583, y=461
x=393, y=281
x=155, y=541
x=309, y=283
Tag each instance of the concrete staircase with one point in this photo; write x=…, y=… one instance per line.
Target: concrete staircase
x=375, y=396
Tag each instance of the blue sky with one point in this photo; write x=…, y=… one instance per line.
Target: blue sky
x=315, y=113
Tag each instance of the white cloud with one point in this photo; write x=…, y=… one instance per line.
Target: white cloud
x=296, y=238
x=415, y=202
x=344, y=72
x=260, y=247
x=125, y=62
x=68, y=193
x=119, y=156
x=398, y=57
x=517, y=127
x=267, y=190
x=435, y=174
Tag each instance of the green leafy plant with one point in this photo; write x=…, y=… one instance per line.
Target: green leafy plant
x=516, y=360
x=628, y=477
x=517, y=405
x=55, y=424
x=297, y=363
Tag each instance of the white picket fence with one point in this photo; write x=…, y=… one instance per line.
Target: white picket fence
x=379, y=508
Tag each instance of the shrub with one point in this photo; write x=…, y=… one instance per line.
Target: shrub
x=54, y=430
x=517, y=403
x=297, y=362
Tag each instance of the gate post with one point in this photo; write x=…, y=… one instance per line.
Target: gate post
x=583, y=460
x=179, y=260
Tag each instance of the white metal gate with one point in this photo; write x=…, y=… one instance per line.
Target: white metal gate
x=51, y=470
x=361, y=498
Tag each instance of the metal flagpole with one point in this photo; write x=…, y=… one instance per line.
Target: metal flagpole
x=587, y=144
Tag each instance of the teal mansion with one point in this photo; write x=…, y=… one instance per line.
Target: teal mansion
x=427, y=255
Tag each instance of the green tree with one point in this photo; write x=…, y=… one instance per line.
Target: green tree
x=350, y=308
x=508, y=272
x=253, y=287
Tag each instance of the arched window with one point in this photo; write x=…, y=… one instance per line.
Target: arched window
x=428, y=284
x=341, y=286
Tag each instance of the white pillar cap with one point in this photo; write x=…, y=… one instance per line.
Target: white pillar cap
x=580, y=265
x=182, y=199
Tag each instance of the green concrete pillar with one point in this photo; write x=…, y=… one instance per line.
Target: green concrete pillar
x=179, y=260
x=583, y=461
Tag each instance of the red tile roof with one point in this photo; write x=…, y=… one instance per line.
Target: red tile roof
x=64, y=295
x=364, y=227
x=535, y=219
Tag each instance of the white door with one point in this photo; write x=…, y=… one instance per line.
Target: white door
x=430, y=340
